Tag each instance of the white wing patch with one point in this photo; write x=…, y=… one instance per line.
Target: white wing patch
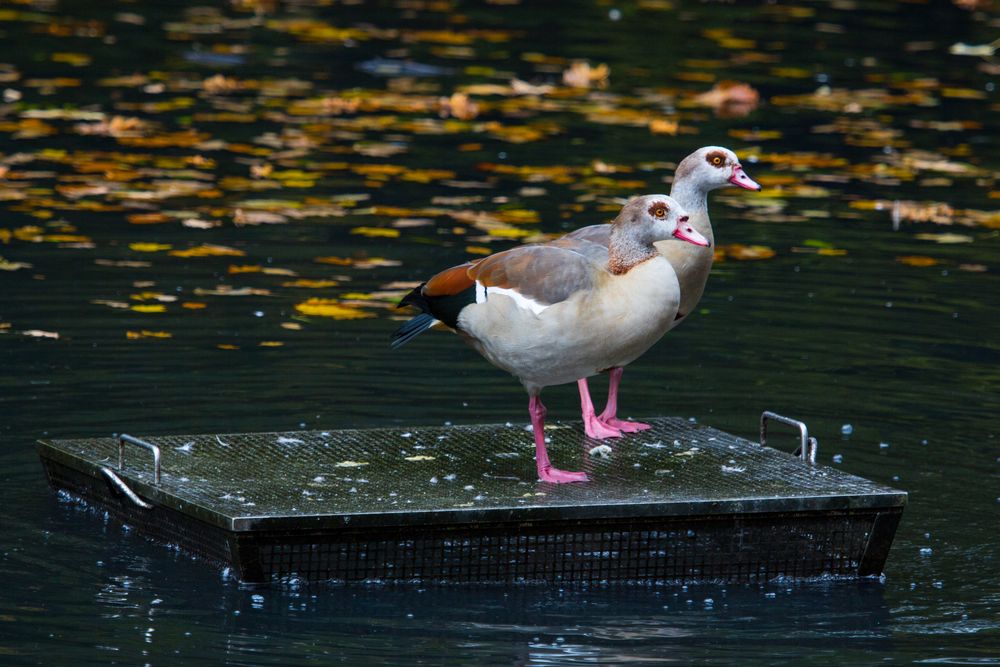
x=483, y=292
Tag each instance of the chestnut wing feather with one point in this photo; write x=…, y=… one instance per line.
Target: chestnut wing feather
x=544, y=273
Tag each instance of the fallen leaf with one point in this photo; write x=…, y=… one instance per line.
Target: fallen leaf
x=149, y=247
x=38, y=333
x=134, y=335
x=730, y=99
x=331, y=308
x=917, y=260
x=375, y=232
x=741, y=252
x=945, y=238
x=581, y=75
x=208, y=250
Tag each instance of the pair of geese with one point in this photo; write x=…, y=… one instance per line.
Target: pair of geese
x=589, y=302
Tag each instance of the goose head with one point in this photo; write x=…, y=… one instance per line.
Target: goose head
x=713, y=167
x=652, y=218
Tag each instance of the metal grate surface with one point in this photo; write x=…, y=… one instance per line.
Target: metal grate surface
x=678, y=502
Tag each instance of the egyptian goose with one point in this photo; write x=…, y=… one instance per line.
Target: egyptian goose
x=708, y=168
x=549, y=314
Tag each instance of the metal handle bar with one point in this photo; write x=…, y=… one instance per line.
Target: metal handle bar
x=123, y=438
x=807, y=445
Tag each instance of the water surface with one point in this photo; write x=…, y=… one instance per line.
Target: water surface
x=292, y=133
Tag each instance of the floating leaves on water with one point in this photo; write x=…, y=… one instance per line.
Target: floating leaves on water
x=208, y=250
x=741, y=252
x=945, y=239
x=331, y=308
x=145, y=333
x=582, y=75
x=730, y=99
x=917, y=260
x=7, y=265
x=358, y=262
x=376, y=232
x=420, y=457
x=40, y=333
x=149, y=247
x=459, y=105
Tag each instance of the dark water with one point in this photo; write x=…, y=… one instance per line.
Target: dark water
x=855, y=320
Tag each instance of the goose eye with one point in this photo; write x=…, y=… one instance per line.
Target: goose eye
x=716, y=160
x=660, y=212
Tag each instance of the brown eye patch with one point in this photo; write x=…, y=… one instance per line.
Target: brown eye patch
x=658, y=210
x=716, y=159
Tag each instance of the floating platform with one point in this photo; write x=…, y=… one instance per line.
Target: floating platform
x=680, y=502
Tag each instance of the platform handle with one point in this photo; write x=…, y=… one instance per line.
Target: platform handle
x=807, y=445
x=123, y=438
x=120, y=484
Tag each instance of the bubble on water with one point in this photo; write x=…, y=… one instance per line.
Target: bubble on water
x=615, y=14
x=883, y=445
x=926, y=551
x=838, y=458
x=770, y=595
x=846, y=429
x=938, y=584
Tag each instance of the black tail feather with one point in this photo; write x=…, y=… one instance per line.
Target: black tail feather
x=413, y=328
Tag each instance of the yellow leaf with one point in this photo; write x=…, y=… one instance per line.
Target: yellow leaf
x=420, y=457
x=917, y=260
x=509, y=232
x=831, y=252
x=149, y=308
x=145, y=333
x=373, y=232
x=149, y=247
x=227, y=346
x=207, y=250
x=271, y=343
x=74, y=59
x=478, y=250
x=250, y=268
x=331, y=308
x=311, y=284
x=194, y=305
x=66, y=238
x=738, y=251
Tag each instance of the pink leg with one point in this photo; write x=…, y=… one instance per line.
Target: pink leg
x=609, y=416
x=593, y=426
x=546, y=472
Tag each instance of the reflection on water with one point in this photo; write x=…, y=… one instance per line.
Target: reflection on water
x=181, y=184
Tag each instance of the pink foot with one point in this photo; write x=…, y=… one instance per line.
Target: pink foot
x=626, y=426
x=599, y=430
x=593, y=425
x=546, y=472
x=557, y=476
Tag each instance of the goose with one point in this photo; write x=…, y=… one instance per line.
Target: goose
x=550, y=314
x=708, y=168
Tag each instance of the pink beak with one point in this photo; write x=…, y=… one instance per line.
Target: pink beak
x=740, y=179
x=685, y=232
